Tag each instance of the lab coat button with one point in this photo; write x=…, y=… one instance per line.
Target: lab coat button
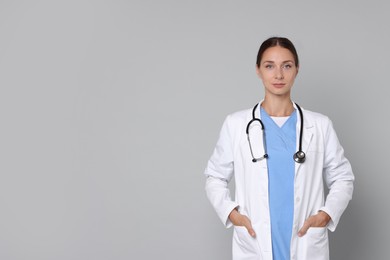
x=298, y=199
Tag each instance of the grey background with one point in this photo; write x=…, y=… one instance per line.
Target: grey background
x=110, y=110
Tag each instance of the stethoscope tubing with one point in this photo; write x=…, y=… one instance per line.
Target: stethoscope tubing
x=298, y=157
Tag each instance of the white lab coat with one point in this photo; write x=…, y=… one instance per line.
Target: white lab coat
x=325, y=161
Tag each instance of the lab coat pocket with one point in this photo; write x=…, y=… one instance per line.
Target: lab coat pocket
x=243, y=243
x=315, y=244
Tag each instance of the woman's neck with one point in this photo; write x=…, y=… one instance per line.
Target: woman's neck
x=278, y=107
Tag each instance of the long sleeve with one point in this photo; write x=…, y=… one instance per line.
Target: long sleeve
x=219, y=172
x=338, y=176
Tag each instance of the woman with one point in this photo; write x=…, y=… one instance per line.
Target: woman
x=280, y=155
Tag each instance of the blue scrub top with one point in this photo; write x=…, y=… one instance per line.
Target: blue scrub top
x=281, y=146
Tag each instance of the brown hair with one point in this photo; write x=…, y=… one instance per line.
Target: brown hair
x=277, y=41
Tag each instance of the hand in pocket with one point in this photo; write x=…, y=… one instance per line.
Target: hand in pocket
x=321, y=219
x=241, y=220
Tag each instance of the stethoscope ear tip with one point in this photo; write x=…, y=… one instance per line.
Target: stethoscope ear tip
x=254, y=160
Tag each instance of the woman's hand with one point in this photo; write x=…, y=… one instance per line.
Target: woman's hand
x=321, y=219
x=241, y=220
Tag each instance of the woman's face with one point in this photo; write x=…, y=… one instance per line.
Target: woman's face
x=277, y=70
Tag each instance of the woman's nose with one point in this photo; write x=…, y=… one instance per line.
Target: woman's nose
x=279, y=74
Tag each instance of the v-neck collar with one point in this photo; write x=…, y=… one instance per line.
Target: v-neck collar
x=264, y=114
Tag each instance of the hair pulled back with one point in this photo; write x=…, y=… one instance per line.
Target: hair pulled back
x=277, y=41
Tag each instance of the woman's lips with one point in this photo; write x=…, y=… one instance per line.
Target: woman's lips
x=278, y=85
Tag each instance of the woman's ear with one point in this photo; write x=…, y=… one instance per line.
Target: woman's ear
x=258, y=72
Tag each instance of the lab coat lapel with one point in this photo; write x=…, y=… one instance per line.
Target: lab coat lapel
x=306, y=135
x=257, y=177
x=257, y=186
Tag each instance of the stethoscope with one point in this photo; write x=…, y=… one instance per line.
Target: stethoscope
x=299, y=156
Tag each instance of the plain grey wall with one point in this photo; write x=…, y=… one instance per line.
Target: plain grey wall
x=110, y=110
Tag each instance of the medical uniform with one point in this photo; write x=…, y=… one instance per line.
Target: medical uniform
x=256, y=190
x=280, y=141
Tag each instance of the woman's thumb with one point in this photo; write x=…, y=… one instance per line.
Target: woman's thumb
x=250, y=229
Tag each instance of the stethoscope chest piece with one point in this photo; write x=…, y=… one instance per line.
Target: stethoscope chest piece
x=299, y=157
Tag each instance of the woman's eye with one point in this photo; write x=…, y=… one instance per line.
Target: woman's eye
x=268, y=66
x=287, y=66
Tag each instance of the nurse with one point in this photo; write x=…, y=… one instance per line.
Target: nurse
x=280, y=163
